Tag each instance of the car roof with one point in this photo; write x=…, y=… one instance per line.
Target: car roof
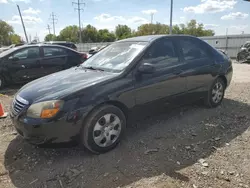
x=59, y=42
x=150, y=38
x=42, y=44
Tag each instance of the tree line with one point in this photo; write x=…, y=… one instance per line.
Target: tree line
x=91, y=34
x=7, y=34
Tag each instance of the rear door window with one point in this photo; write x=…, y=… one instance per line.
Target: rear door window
x=53, y=51
x=192, y=50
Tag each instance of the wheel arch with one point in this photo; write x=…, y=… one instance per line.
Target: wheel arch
x=224, y=79
x=115, y=103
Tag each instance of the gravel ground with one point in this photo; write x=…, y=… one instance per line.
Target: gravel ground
x=188, y=147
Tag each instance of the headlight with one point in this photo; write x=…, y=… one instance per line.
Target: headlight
x=45, y=109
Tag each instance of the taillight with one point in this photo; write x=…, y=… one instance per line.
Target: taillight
x=84, y=57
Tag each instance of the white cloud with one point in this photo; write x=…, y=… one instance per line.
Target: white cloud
x=211, y=6
x=27, y=20
x=107, y=21
x=210, y=26
x=234, y=16
x=109, y=18
x=239, y=27
x=3, y=1
x=151, y=11
x=31, y=11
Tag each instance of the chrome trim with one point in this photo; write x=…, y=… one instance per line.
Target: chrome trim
x=18, y=105
x=22, y=100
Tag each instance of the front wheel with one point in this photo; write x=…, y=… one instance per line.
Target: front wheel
x=103, y=129
x=216, y=93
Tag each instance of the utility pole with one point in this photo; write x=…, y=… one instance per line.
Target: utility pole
x=53, y=19
x=171, y=18
x=22, y=23
x=48, y=27
x=79, y=9
x=152, y=17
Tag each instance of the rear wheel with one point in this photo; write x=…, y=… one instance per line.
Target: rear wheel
x=103, y=129
x=216, y=93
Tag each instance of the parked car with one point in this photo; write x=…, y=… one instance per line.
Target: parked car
x=63, y=43
x=92, y=102
x=28, y=62
x=243, y=55
x=94, y=50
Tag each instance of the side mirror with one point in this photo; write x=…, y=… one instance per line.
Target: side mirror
x=146, y=68
x=13, y=58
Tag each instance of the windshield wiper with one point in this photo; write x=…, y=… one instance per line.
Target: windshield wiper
x=93, y=68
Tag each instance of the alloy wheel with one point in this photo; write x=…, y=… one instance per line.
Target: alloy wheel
x=217, y=92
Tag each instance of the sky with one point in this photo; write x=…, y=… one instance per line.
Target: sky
x=219, y=15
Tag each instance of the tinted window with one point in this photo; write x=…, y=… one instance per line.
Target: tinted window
x=161, y=53
x=53, y=51
x=192, y=50
x=27, y=53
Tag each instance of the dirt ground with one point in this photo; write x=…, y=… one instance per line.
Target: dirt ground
x=189, y=147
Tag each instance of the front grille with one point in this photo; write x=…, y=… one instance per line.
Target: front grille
x=18, y=105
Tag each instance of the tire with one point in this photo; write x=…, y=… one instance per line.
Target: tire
x=103, y=129
x=210, y=98
x=2, y=82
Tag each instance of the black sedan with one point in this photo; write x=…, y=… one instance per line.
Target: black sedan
x=92, y=102
x=28, y=62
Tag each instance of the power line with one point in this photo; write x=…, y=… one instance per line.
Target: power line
x=53, y=19
x=79, y=9
x=48, y=27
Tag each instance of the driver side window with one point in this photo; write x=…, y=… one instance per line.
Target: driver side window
x=27, y=53
x=161, y=54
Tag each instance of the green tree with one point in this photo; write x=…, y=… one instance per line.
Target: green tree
x=69, y=33
x=50, y=37
x=15, y=39
x=193, y=28
x=122, y=32
x=5, y=31
x=152, y=29
x=89, y=34
x=105, y=36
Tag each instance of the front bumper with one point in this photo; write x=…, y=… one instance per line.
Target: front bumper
x=40, y=131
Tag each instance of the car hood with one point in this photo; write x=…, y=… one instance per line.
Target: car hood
x=61, y=84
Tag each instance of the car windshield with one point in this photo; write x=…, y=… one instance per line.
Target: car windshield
x=115, y=57
x=9, y=51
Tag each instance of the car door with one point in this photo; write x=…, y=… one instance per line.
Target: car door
x=166, y=82
x=24, y=64
x=54, y=59
x=199, y=65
